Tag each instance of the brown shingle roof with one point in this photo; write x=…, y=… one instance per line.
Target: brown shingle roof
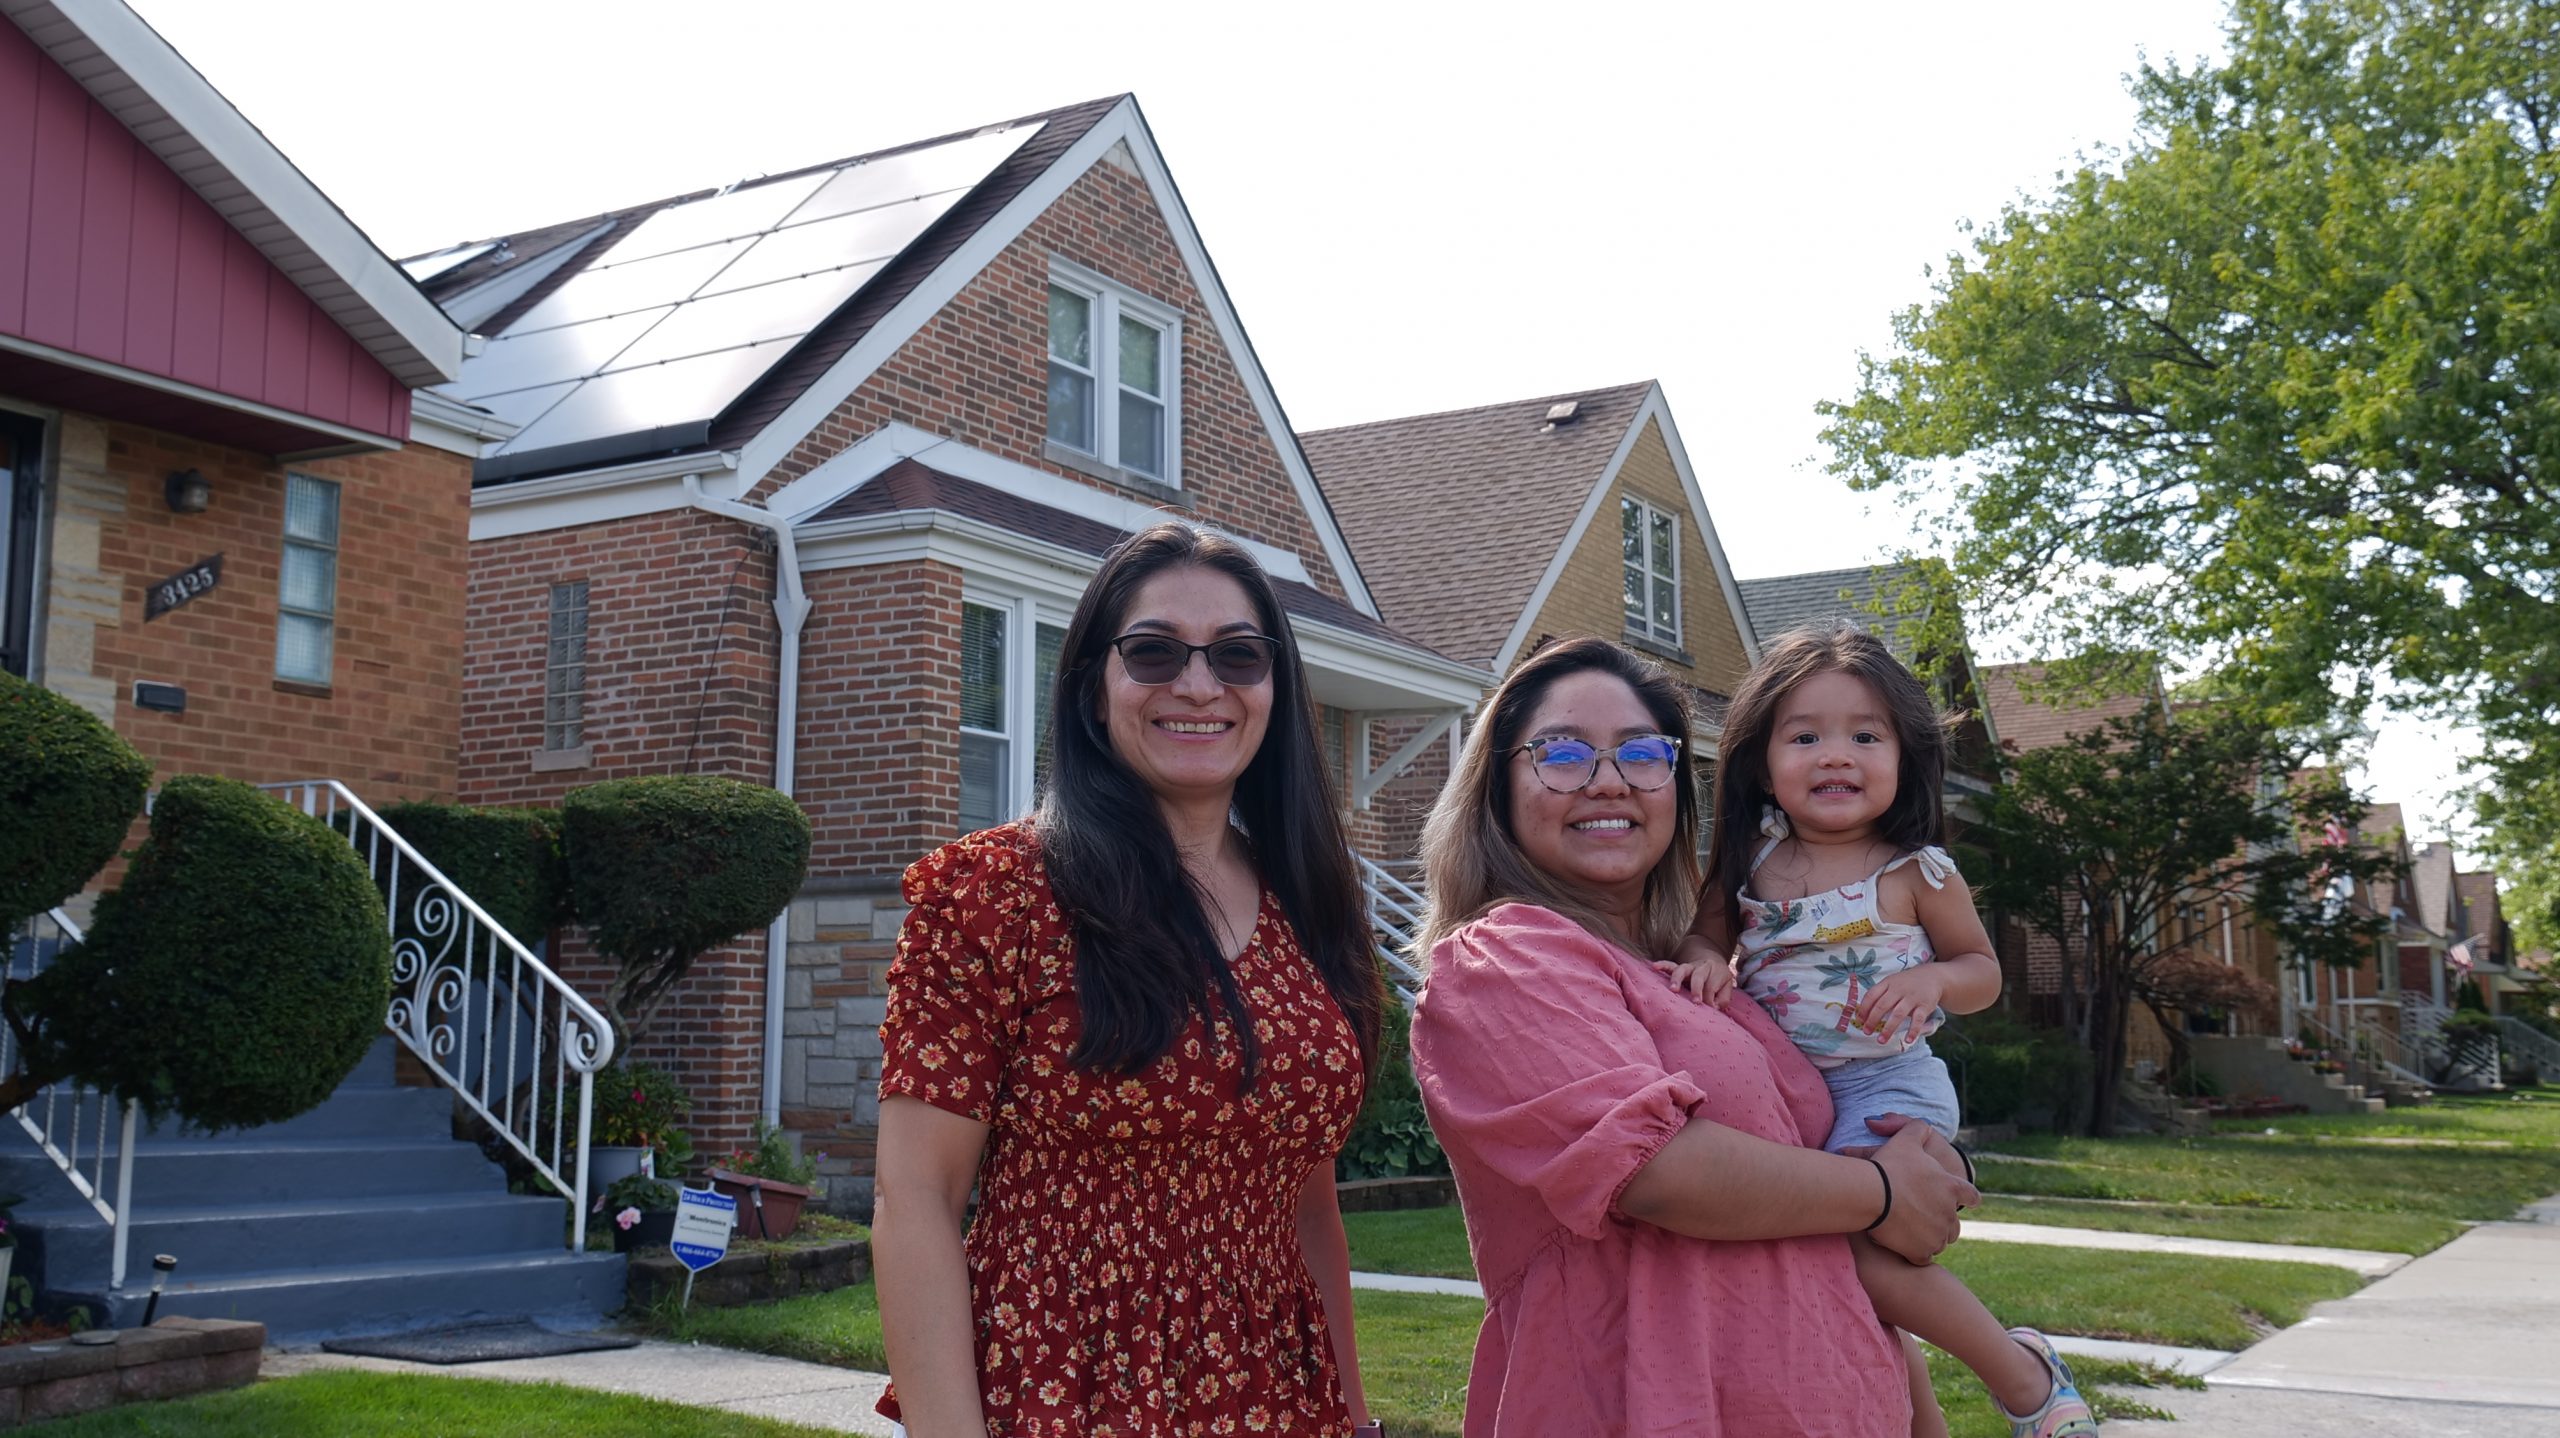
x=1453, y=517
x=2025, y=718
x=2431, y=875
x=2479, y=913
x=2383, y=821
x=911, y=485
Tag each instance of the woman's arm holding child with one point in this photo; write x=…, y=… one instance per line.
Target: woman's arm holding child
x=1703, y=964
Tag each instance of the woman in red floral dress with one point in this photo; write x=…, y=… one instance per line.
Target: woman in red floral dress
x=1139, y=1024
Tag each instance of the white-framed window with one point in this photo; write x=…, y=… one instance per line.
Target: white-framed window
x=1650, y=548
x=307, y=589
x=1005, y=688
x=1115, y=374
x=564, y=670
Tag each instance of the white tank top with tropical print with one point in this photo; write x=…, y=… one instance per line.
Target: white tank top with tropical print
x=1810, y=962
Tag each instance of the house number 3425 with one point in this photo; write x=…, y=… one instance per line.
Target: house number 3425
x=187, y=584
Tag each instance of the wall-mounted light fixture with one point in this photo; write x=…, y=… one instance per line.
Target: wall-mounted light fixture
x=190, y=492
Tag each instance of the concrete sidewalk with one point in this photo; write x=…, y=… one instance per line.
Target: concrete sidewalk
x=2455, y=1345
x=723, y=1378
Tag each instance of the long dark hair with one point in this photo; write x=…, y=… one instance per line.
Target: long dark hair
x=1147, y=958
x=1470, y=854
x=1917, y=817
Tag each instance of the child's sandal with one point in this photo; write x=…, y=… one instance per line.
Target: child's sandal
x=2065, y=1413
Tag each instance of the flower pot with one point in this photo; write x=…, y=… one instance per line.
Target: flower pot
x=779, y=1214
x=608, y=1165
x=653, y=1230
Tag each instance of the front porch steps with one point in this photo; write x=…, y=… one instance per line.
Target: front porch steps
x=364, y=1215
x=2253, y=1066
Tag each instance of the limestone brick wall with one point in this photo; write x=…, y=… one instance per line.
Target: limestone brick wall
x=834, y=1000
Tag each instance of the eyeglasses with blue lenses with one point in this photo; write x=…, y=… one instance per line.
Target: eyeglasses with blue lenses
x=1564, y=765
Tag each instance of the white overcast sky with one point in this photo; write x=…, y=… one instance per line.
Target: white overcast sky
x=1415, y=207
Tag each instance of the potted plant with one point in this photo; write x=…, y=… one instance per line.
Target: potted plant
x=642, y=1210
x=636, y=1109
x=770, y=1179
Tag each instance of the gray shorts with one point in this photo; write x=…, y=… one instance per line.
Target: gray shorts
x=1914, y=1082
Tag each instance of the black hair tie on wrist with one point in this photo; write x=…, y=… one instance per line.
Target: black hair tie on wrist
x=1887, y=1180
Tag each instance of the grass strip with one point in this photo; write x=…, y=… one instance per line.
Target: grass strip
x=350, y=1402
x=2378, y=1232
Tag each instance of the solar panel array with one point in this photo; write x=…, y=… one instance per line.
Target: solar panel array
x=671, y=324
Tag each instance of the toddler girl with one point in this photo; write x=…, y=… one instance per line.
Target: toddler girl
x=1828, y=899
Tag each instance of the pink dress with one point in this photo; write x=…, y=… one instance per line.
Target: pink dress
x=1553, y=1067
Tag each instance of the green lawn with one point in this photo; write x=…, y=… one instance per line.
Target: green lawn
x=2152, y=1297
x=2307, y=1174
x=2523, y=1118
x=2380, y=1232
x=350, y=1404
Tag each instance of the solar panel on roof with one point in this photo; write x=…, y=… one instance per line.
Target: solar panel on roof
x=781, y=310
x=610, y=287
x=649, y=397
x=891, y=178
x=868, y=237
x=672, y=323
x=748, y=210
x=531, y=357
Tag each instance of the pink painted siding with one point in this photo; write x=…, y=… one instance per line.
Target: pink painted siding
x=104, y=252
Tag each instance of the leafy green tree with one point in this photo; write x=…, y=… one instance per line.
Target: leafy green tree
x=2095, y=841
x=2276, y=388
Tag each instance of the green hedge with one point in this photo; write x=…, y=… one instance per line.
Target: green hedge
x=507, y=860
x=2010, y=1071
x=69, y=788
x=237, y=976
x=1391, y=1138
x=662, y=869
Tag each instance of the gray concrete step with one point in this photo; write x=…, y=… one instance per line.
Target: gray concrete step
x=229, y=1239
x=242, y=1169
x=304, y=1305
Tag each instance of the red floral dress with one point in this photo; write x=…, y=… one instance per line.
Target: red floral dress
x=1134, y=1267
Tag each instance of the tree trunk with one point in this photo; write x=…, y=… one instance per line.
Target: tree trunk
x=2107, y=1015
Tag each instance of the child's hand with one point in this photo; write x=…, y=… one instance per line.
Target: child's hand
x=1706, y=974
x=1903, y=1001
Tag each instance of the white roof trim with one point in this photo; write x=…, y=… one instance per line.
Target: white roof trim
x=597, y=496
x=1339, y=661
x=874, y=453
x=1656, y=408
x=213, y=148
x=1122, y=126
x=449, y=424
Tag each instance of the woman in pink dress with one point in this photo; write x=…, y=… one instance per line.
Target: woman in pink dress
x=1661, y=1239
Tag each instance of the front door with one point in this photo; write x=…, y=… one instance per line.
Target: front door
x=21, y=484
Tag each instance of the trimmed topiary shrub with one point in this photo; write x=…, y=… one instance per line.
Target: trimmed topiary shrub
x=664, y=868
x=507, y=860
x=2010, y=1071
x=236, y=977
x=69, y=788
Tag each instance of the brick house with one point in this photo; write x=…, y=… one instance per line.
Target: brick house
x=235, y=523
x=1487, y=532
x=811, y=472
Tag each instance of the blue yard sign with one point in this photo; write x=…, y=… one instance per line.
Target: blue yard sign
x=703, y=1221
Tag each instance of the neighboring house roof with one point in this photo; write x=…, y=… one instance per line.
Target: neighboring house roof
x=1793, y=601
x=2431, y=880
x=1462, y=521
x=1454, y=516
x=2383, y=821
x=152, y=90
x=2024, y=717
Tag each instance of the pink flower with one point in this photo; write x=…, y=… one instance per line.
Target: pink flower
x=626, y=1218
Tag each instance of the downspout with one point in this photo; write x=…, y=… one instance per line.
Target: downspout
x=791, y=613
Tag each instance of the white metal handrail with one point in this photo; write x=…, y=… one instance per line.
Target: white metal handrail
x=59, y=1118
x=463, y=988
x=1395, y=916
x=2422, y=1020
x=2533, y=1043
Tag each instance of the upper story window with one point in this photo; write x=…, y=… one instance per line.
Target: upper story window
x=1115, y=368
x=307, y=597
x=1650, y=541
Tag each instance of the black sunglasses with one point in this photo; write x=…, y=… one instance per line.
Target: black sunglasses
x=1241, y=660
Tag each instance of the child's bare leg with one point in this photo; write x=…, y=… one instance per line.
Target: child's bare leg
x=1933, y=1303
x=1926, y=1420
